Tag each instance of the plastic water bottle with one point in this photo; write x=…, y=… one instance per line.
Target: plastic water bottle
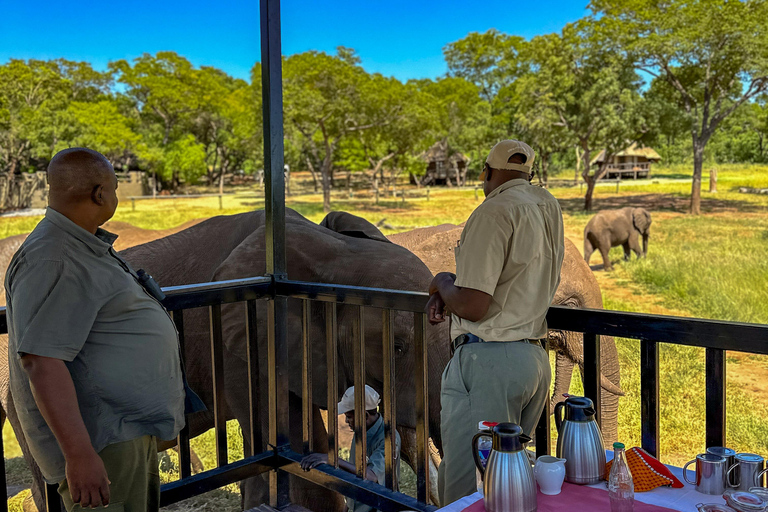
x=484, y=446
x=620, y=487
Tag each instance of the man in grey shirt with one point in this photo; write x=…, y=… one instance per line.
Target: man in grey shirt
x=94, y=358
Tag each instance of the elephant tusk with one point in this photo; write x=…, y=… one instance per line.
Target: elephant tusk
x=610, y=386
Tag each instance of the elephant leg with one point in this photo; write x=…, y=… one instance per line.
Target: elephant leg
x=634, y=244
x=627, y=253
x=38, y=484
x=605, y=248
x=588, y=249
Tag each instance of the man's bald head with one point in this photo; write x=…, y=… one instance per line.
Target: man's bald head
x=74, y=173
x=83, y=187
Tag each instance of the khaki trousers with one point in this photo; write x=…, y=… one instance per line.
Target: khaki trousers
x=502, y=382
x=132, y=469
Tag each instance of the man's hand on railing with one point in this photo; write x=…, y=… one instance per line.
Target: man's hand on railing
x=436, y=309
x=313, y=460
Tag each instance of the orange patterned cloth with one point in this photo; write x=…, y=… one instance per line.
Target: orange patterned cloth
x=647, y=472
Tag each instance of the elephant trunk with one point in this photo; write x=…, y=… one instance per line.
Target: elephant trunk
x=645, y=243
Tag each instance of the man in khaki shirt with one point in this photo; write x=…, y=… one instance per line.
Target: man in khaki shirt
x=507, y=271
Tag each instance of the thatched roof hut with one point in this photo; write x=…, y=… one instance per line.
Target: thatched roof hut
x=444, y=165
x=633, y=162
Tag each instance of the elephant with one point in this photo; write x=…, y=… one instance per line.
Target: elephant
x=231, y=247
x=611, y=228
x=578, y=289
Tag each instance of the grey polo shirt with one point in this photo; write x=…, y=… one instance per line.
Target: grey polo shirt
x=375, y=444
x=71, y=297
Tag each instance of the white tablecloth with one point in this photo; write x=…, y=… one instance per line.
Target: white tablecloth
x=684, y=500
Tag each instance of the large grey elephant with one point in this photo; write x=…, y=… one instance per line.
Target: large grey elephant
x=613, y=228
x=578, y=289
x=233, y=247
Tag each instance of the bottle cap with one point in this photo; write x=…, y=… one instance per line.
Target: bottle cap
x=618, y=446
x=486, y=425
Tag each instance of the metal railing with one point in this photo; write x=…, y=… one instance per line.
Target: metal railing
x=716, y=337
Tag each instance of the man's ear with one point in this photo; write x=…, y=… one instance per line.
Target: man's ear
x=97, y=195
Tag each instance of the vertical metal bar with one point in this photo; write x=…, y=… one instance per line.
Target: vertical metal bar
x=390, y=437
x=592, y=372
x=649, y=396
x=331, y=337
x=219, y=401
x=185, y=458
x=543, y=441
x=272, y=101
x=52, y=498
x=306, y=379
x=255, y=438
x=359, y=374
x=422, y=408
x=278, y=396
x=715, y=382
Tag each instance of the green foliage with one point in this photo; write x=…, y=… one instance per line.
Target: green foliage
x=184, y=157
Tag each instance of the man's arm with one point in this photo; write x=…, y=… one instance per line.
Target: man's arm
x=315, y=459
x=465, y=303
x=55, y=395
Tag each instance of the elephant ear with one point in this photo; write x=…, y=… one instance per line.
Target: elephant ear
x=350, y=225
x=641, y=219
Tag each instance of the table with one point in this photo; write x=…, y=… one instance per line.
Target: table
x=683, y=500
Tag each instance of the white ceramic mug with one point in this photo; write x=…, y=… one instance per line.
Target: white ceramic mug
x=550, y=474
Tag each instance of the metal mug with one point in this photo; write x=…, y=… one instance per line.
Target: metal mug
x=730, y=456
x=710, y=473
x=748, y=466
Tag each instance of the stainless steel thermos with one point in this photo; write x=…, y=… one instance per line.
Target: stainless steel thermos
x=579, y=441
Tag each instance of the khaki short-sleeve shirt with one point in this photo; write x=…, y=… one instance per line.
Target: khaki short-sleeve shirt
x=512, y=249
x=71, y=297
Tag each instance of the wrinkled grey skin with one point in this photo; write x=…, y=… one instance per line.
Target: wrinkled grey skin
x=613, y=228
x=233, y=247
x=578, y=289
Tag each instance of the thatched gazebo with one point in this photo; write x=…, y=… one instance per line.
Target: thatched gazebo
x=633, y=162
x=444, y=165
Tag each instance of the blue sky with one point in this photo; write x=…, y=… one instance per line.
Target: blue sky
x=398, y=38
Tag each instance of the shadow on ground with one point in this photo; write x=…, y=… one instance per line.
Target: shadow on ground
x=659, y=202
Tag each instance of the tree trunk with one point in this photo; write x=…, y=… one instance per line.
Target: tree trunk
x=698, y=161
x=313, y=173
x=588, y=196
x=325, y=172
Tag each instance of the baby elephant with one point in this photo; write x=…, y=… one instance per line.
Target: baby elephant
x=611, y=228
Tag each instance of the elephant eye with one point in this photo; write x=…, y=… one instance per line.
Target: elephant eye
x=399, y=346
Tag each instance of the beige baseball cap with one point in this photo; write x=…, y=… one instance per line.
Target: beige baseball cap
x=347, y=402
x=498, y=158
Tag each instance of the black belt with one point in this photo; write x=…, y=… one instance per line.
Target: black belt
x=464, y=339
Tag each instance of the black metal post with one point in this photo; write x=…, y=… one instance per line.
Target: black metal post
x=422, y=408
x=52, y=499
x=272, y=100
x=359, y=376
x=649, y=396
x=306, y=379
x=219, y=399
x=715, y=401
x=185, y=459
x=255, y=438
x=592, y=372
x=390, y=424
x=331, y=337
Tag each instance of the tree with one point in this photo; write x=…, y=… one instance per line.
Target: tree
x=463, y=116
x=713, y=53
x=165, y=90
x=324, y=99
x=101, y=126
x=590, y=91
x=489, y=60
